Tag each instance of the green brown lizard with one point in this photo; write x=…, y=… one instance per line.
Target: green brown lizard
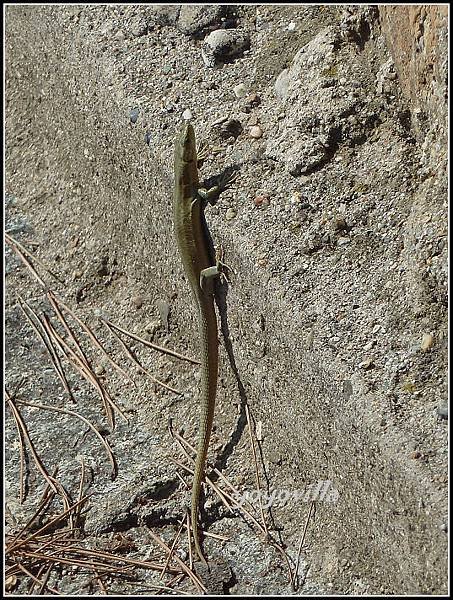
x=193, y=242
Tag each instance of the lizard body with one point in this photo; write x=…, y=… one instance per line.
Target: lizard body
x=191, y=236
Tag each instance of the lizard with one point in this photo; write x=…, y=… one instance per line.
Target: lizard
x=194, y=247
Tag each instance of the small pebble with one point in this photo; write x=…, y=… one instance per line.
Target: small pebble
x=223, y=45
x=183, y=554
x=230, y=214
x=368, y=346
x=442, y=412
x=139, y=28
x=164, y=311
x=240, y=90
x=261, y=201
x=366, y=364
x=427, y=342
x=253, y=100
x=152, y=327
x=133, y=115
x=281, y=85
x=291, y=26
x=187, y=115
x=137, y=301
x=99, y=369
x=343, y=241
x=10, y=583
x=256, y=132
x=415, y=455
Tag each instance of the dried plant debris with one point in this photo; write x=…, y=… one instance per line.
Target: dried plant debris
x=52, y=543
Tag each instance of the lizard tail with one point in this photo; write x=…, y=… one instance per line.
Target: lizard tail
x=194, y=519
x=209, y=372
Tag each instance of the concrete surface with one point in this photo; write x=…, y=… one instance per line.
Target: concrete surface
x=338, y=273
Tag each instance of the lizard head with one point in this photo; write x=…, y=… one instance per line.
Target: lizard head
x=185, y=148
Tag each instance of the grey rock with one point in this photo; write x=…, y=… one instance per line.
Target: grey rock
x=194, y=19
x=281, y=84
x=133, y=115
x=442, y=412
x=224, y=45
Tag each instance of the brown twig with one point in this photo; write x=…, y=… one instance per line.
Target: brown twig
x=19, y=247
x=14, y=245
x=86, y=372
x=48, y=344
x=75, y=561
x=151, y=345
x=194, y=578
x=21, y=457
x=69, y=331
x=160, y=587
x=91, y=335
x=302, y=539
x=45, y=501
x=50, y=480
x=82, y=368
x=130, y=561
x=49, y=524
x=67, y=411
x=136, y=362
x=35, y=579
x=225, y=496
x=178, y=533
x=100, y=582
x=255, y=462
x=217, y=490
x=45, y=580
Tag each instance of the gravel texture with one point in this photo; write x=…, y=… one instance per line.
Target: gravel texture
x=334, y=325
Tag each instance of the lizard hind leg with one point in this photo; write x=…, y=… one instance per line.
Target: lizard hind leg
x=222, y=267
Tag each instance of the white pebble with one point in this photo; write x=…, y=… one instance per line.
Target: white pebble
x=427, y=342
x=230, y=214
x=366, y=364
x=240, y=90
x=369, y=345
x=343, y=241
x=256, y=132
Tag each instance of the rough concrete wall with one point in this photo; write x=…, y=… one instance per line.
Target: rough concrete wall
x=72, y=151
x=417, y=38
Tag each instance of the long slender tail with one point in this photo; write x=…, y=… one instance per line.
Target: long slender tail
x=209, y=373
